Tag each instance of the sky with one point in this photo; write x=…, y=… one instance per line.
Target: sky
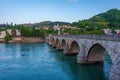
x=33, y=11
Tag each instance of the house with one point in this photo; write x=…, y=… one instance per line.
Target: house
x=17, y=32
x=69, y=27
x=2, y=34
x=74, y=28
x=65, y=33
x=107, y=31
x=45, y=28
x=117, y=31
x=56, y=27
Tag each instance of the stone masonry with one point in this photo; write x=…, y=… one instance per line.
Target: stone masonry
x=90, y=49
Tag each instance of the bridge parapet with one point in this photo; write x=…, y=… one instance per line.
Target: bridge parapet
x=95, y=37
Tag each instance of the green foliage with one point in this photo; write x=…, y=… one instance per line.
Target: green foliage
x=32, y=32
x=13, y=31
x=82, y=31
x=8, y=37
x=110, y=19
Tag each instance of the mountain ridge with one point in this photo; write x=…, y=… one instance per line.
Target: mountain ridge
x=46, y=23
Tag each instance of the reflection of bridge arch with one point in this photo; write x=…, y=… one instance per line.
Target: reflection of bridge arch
x=74, y=47
x=63, y=44
x=96, y=53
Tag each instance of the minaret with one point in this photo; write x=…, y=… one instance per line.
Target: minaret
x=58, y=30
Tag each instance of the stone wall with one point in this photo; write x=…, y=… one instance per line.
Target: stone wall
x=115, y=71
x=26, y=40
x=32, y=39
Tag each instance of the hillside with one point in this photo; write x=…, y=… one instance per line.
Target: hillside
x=46, y=23
x=112, y=15
x=109, y=19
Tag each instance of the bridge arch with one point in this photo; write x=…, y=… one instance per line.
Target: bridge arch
x=53, y=42
x=74, y=47
x=57, y=43
x=96, y=53
x=63, y=44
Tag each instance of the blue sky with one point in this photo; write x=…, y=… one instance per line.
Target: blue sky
x=32, y=11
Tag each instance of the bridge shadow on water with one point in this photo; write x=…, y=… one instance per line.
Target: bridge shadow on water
x=75, y=71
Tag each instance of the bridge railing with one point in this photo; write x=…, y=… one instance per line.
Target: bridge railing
x=111, y=37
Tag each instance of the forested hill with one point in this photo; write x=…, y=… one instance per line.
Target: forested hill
x=109, y=19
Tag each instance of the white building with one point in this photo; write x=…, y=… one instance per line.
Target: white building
x=10, y=32
x=107, y=31
x=2, y=34
x=117, y=31
x=56, y=27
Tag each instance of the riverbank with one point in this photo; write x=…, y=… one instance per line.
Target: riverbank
x=26, y=40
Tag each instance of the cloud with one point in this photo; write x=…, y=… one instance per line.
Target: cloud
x=73, y=0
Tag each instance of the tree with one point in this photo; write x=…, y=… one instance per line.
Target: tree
x=13, y=31
x=8, y=37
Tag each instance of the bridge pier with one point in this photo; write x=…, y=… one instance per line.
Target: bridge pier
x=58, y=47
x=50, y=43
x=81, y=59
x=53, y=46
x=62, y=48
x=66, y=50
x=49, y=39
x=84, y=60
x=115, y=70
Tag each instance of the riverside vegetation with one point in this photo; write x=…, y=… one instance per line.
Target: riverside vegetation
x=94, y=25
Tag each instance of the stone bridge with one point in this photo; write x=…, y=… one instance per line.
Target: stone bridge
x=90, y=49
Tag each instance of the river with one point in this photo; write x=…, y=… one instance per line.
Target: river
x=39, y=61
